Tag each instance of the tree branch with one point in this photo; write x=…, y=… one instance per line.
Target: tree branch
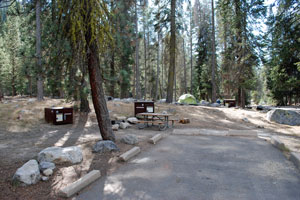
x=7, y=3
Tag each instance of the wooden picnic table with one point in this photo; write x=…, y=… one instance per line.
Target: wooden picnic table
x=161, y=119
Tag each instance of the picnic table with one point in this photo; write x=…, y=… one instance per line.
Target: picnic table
x=160, y=119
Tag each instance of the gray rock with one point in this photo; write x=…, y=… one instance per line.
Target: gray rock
x=245, y=120
x=115, y=127
x=128, y=100
x=281, y=116
x=124, y=125
x=57, y=155
x=116, y=99
x=132, y=120
x=120, y=118
x=28, y=174
x=105, y=146
x=46, y=165
x=129, y=139
x=204, y=103
x=162, y=101
x=45, y=178
x=215, y=105
x=48, y=172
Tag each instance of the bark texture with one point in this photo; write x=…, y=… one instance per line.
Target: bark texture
x=172, y=54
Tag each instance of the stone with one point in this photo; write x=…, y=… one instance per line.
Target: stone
x=45, y=178
x=48, y=172
x=124, y=125
x=46, y=165
x=116, y=99
x=162, y=101
x=115, y=127
x=295, y=158
x=245, y=120
x=132, y=120
x=28, y=174
x=129, y=154
x=105, y=146
x=81, y=183
x=276, y=142
x=281, y=116
x=155, y=138
x=215, y=105
x=204, y=103
x=71, y=155
x=129, y=139
x=117, y=105
x=120, y=118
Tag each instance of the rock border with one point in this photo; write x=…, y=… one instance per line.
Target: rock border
x=129, y=154
x=81, y=183
x=155, y=138
x=295, y=158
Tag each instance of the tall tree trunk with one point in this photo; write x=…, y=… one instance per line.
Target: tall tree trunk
x=13, y=77
x=40, y=90
x=172, y=54
x=96, y=82
x=184, y=67
x=213, y=66
x=137, y=67
x=191, y=49
x=157, y=67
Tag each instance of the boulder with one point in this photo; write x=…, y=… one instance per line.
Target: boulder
x=215, y=105
x=132, y=120
x=204, y=103
x=46, y=165
x=28, y=174
x=48, y=172
x=162, y=101
x=105, y=146
x=124, y=125
x=120, y=118
x=45, y=178
x=115, y=127
x=129, y=139
x=57, y=155
x=245, y=119
x=281, y=116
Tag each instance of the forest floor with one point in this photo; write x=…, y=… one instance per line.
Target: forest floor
x=24, y=133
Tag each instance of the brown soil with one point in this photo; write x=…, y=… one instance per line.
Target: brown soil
x=24, y=133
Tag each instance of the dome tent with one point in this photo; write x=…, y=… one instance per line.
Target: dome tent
x=187, y=99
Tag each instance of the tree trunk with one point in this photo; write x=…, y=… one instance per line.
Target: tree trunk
x=184, y=67
x=13, y=78
x=40, y=90
x=172, y=54
x=213, y=67
x=137, y=67
x=145, y=54
x=96, y=81
x=157, y=67
x=191, y=52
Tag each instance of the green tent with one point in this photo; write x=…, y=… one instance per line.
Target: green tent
x=187, y=99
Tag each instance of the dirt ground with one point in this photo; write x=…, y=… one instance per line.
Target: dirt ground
x=24, y=133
